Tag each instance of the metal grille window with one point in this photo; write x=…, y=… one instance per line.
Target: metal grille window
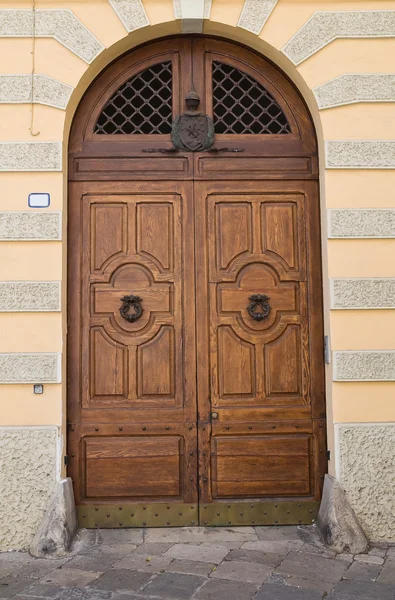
x=242, y=105
x=142, y=105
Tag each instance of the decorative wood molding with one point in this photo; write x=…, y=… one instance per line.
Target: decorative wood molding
x=30, y=156
x=131, y=13
x=352, y=88
x=324, y=27
x=255, y=13
x=29, y=296
x=361, y=223
x=29, y=226
x=17, y=89
x=362, y=293
x=364, y=365
x=62, y=25
x=360, y=154
x=30, y=368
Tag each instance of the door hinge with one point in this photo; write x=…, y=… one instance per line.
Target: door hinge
x=327, y=354
x=66, y=460
x=328, y=454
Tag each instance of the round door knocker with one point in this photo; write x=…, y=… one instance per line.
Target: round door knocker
x=127, y=302
x=255, y=301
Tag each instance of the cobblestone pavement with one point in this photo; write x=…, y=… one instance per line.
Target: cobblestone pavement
x=264, y=563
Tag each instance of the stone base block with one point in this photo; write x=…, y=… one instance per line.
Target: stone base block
x=59, y=525
x=337, y=524
x=28, y=459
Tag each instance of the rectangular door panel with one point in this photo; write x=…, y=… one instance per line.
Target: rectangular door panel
x=260, y=466
x=139, y=467
x=142, y=356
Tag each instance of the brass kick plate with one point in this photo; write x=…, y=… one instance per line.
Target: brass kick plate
x=258, y=513
x=137, y=515
x=220, y=514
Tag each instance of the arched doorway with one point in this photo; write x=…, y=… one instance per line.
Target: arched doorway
x=195, y=328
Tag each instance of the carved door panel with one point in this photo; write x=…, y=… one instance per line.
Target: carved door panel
x=137, y=417
x=259, y=340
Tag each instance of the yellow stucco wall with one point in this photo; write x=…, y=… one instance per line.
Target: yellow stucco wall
x=368, y=329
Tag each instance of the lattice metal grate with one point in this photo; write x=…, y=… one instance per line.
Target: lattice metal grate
x=242, y=105
x=142, y=105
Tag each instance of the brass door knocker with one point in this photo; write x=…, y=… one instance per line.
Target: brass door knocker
x=127, y=302
x=262, y=301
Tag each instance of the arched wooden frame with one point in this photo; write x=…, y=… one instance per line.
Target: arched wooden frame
x=192, y=61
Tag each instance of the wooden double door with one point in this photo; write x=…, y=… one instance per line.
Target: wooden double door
x=195, y=379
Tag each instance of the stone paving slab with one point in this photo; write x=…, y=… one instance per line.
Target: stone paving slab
x=324, y=587
x=140, y=563
x=271, y=534
x=121, y=579
x=11, y=585
x=242, y=571
x=191, y=567
x=378, y=551
x=387, y=574
x=362, y=572
x=37, y=568
x=4, y=571
x=312, y=567
x=319, y=585
x=122, y=536
x=255, y=556
x=65, y=593
x=276, y=547
x=151, y=549
x=348, y=558
x=173, y=586
x=225, y=590
x=318, y=549
x=95, y=562
x=370, y=559
x=123, y=596
x=272, y=591
x=66, y=576
x=203, y=552
x=363, y=590
x=120, y=550
x=200, y=534
x=15, y=558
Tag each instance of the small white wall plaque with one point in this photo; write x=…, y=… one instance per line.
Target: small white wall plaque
x=39, y=200
x=38, y=388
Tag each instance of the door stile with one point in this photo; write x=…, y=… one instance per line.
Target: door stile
x=189, y=351
x=314, y=257
x=74, y=340
x=203, y=349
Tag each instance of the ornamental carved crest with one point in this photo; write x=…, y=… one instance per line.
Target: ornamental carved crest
x=192, y=131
